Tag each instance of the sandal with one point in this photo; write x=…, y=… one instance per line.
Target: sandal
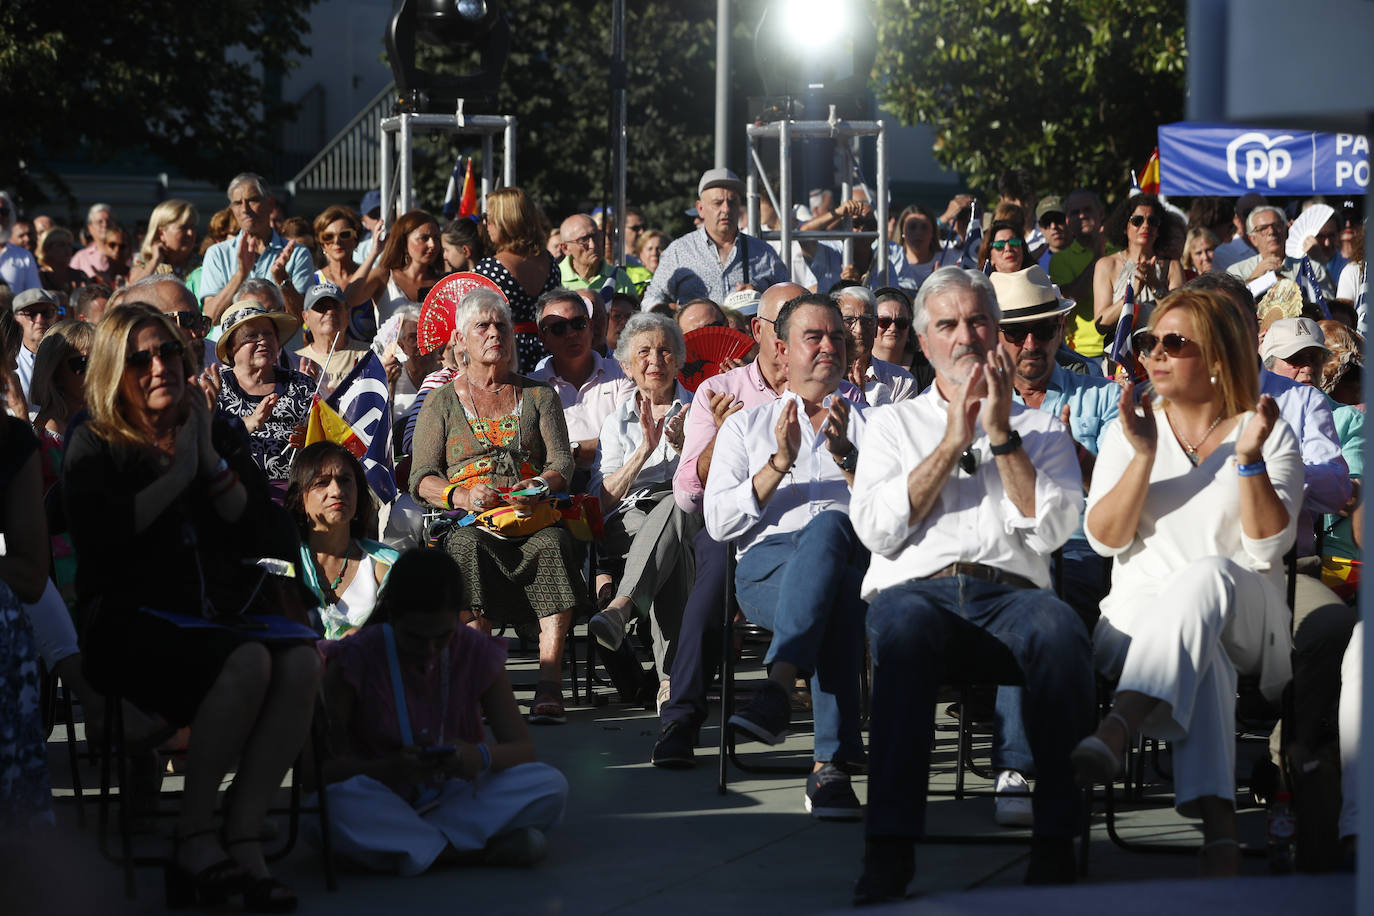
x=265, y=895
x=548, y=705
x=1093, y=761
x=213, y=885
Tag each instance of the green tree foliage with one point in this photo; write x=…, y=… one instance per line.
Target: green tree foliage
x=557, y=84
x=86, y=79
x=1071, y=89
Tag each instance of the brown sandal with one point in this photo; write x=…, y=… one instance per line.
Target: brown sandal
x=548, y=705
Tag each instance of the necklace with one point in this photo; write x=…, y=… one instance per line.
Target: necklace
x=343, y=570
x=496, y=390
x=1189, y=448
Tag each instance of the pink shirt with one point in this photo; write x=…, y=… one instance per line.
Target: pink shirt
x=587, y=407
x=747, y=386
x=90, y=260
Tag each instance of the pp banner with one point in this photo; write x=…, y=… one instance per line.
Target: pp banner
x=1228, y=161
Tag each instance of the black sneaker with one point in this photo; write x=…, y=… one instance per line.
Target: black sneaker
x=673, y=749
x=767, y=716
x=830, y=796
x=889, y=866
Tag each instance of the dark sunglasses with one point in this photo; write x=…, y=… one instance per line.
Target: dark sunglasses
x=190, y=321
x=1003, y=243
x=1139, y=221
x=1042, y=331
x=1145, y=343
x=77, y=364
x=166, y=352
x=560, y=326
x=902, y=322
x=867, y=321
x=345, y=235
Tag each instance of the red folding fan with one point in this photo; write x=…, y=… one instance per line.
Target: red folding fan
x=707, y=348
x=437, y=313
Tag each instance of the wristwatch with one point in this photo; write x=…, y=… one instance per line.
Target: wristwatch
x=1006, y=448
x=850, y=461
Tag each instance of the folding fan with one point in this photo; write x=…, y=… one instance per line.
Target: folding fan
x=440, y=306
x=707, y=348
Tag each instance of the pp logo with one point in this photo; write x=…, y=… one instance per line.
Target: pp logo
x=1262, y=161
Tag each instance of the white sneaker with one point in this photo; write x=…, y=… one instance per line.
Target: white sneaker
x=1013, y=800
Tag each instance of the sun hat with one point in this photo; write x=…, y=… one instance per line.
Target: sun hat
x=1028, y=295
x=244, y=311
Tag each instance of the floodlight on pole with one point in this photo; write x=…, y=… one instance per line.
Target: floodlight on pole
x=455, y=26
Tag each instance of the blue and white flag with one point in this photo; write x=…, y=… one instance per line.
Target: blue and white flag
x=361, y=399
x=1311, y=291
x=1123, y=347
x=453, y=195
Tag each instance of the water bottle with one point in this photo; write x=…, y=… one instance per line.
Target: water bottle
x=1283, y=831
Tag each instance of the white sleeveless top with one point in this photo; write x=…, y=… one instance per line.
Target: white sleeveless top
x=389, y=300
x=355, y=604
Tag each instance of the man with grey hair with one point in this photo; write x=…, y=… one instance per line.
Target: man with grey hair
x=255, y=251
x=961, y=495
x=879, y=381
x=92, y=259
x=1267, y=229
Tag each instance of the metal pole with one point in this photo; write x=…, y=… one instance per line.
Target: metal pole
x=508, y=179
x=385, y=165
x=488, y=168
x=785, y=193
x=846, y=192
x=1364, y=877
x=751, y=188
x=619, y=127
x=881, y=207
x=406, y=165
x=723, y=30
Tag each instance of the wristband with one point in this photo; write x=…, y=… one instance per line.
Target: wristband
x=543, y=485
x=486, y=757
x=1251, y=470
x=448, y=495
x=775, y=467
x=1006, y=448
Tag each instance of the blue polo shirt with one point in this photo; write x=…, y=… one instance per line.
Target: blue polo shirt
x=1093, y=403
x=222, y=260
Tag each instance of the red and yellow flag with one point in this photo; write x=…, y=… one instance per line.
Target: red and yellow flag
x=467, y=205
x=325, y=425
x=1149, y=178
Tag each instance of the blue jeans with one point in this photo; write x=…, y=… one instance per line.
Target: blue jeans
x=804, y=586
x=926, y=632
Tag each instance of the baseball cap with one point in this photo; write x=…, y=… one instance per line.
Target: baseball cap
x=1289, y=336
x=372, y=200
x=720, y=178
x=1047, y=206
x=322, y=291
x=744, y=301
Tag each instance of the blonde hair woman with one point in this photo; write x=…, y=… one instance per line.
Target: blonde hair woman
x=520, y=265
x=169, y=246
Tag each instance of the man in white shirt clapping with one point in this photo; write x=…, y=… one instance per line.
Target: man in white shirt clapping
x=962, y=496
x=779, y=488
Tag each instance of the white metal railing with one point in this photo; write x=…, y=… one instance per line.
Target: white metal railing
x=349, y=161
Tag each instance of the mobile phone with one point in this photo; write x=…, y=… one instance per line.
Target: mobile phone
x=438, y=750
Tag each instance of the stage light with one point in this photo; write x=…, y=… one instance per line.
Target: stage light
x=455, y=26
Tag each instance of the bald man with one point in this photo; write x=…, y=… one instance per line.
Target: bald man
x=583, y=266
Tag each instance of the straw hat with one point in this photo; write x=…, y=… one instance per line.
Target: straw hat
x=244, y=311
x=1028, y=295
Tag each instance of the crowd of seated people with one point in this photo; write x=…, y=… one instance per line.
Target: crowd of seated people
x=890, y=467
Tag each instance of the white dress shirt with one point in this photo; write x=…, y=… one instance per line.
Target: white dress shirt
x=621, y=435
x=585, y=408
x=745, y=443
x=972, y=520
x=887, y=383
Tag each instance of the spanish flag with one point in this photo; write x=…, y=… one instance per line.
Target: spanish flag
x=467, y=205
x=1149, y=178
x=325, y=425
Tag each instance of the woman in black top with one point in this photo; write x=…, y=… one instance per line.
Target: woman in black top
x=165, y=504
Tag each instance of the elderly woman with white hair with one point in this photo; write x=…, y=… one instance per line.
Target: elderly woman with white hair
x=646, y=531
x=488, y=431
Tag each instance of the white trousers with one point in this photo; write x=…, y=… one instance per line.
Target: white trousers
x=1207, y=621
x=374, y=827
x=1352, y=671
x=53, y=631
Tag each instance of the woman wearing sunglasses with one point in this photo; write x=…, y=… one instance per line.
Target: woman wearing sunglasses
x=1003, y=248
x=164, y=500
x=1150, y=278
x=337, y=232
x=1195, y=494
x=487, y=429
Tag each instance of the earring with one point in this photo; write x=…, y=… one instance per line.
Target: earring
x=1214, y=381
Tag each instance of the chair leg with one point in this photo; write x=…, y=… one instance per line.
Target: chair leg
x=126, y=842
x=73, y=759
x=331, y=882
x=727, y=675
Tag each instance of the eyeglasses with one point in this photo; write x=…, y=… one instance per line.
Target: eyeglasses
x=35, y=314
x=1003, y=243
x=1145, y=343
x=1139, y=221
x=1052, y=219
x=560, y=326
x=582, y=241
x=1043, y=331
x=165, y=352
x=867, y=321
x=190, y=321
x=343, y=235
x=637, y=227
x=1266, y=229
x=902, y=322
x=77, y=364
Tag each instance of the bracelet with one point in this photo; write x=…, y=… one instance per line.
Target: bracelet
x=448, y=495
x=783, y=471
x=1251, y=470
x=486, y=757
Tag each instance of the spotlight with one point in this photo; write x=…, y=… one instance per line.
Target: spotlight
x=455, y=26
